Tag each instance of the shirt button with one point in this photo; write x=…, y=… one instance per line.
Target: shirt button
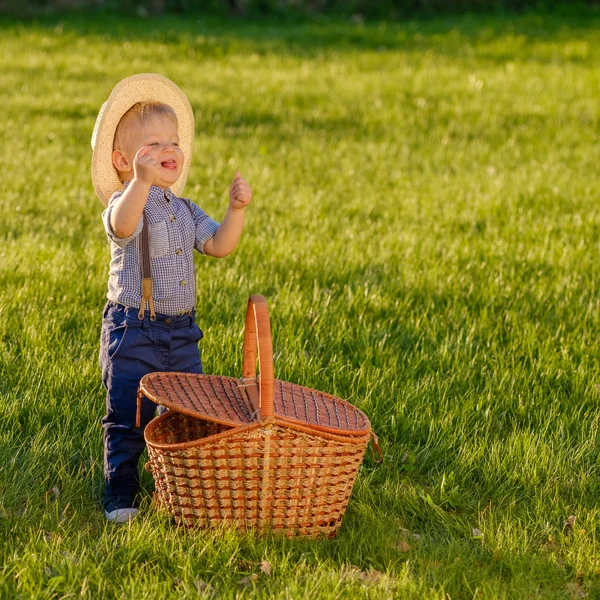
x=172, y=218
x=183, y=282
x=179, y=251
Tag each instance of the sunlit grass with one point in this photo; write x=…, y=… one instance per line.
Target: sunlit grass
x=425, y=229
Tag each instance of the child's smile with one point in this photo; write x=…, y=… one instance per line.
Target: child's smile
x=169, y=164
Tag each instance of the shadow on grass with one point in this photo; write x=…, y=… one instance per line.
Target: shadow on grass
x=452, y=36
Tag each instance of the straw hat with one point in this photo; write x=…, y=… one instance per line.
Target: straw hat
x=144, y=87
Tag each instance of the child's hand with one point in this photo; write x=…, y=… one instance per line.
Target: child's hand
x=145, y=167
x=240, y=192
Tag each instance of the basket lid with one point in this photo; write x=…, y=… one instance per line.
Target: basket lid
x=227, y=400
x=210, y=397
x=306, y=406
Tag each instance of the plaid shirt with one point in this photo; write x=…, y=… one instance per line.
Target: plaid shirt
x=175, y=230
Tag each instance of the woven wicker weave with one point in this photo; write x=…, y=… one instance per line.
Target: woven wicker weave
x=253, y=452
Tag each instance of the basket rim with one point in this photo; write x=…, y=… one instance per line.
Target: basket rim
x=267, y=423
x=157, y=421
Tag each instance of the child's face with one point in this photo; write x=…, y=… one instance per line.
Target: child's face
x=159, y=133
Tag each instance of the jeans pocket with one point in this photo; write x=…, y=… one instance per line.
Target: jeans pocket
x=195, y=333
x=114, y=341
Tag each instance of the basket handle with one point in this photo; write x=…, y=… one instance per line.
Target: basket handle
x=257, y=338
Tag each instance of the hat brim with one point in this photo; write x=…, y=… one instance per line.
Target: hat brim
x=144, y=87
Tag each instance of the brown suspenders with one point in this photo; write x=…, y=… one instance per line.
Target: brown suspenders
x=146, y=272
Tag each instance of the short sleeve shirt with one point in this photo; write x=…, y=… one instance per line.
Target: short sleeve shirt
x=176, y=227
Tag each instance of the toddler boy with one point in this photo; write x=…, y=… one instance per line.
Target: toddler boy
x=142, y=145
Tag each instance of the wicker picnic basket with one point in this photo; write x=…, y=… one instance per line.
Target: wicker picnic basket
x=253, y=452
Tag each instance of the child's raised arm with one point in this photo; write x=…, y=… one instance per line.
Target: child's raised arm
x=230, y=230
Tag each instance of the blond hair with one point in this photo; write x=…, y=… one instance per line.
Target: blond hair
x=137, y=115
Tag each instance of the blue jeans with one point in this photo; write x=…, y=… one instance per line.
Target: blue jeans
x=129, y=349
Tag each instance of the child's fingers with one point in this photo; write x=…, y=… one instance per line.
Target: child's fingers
x=239, y=184
x=147, y=160
x=237, y=176
x=240, y=196
x=142, y=152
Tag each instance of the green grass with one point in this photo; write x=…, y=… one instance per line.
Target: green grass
x=425, y=228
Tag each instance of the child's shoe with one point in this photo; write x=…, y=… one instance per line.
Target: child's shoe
x=121, y=515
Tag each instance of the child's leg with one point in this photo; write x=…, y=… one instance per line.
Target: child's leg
x=127, y=354
x=181, y=346
x=123, y=443
x=130, y=349
x=184, y=354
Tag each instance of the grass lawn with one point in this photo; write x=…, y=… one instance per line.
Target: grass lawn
x=425, y=227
